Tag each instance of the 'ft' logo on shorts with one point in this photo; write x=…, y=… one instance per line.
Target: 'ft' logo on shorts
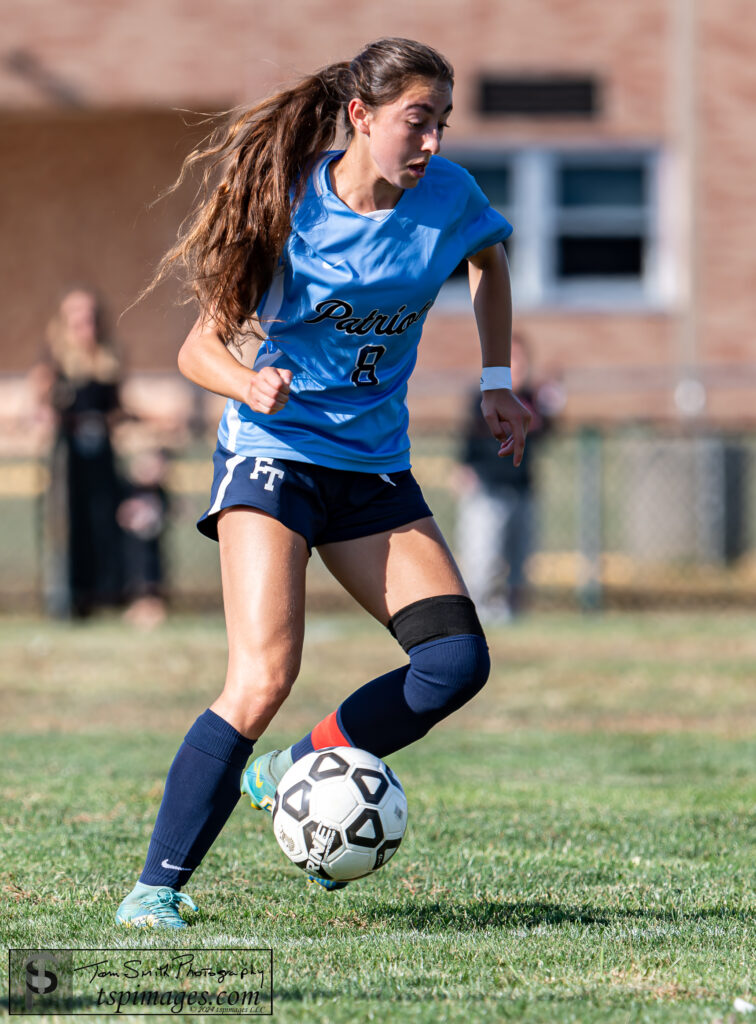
x=265, y=466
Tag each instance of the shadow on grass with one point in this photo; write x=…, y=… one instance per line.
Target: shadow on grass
x=487, y=913
x=482, y=914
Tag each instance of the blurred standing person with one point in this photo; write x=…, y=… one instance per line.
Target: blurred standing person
x=78, y=383
x=495, y=513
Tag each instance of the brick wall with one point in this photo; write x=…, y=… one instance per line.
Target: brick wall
x=80, y=187
x=85, y=100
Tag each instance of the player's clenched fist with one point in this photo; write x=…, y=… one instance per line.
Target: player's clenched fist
x=508, y=420
x=269, y=389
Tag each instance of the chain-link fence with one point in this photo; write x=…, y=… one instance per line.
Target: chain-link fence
x=644, y=517
x=620, y=517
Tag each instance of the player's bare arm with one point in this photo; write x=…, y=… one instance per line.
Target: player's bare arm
x=205, y=360
x=491, y=292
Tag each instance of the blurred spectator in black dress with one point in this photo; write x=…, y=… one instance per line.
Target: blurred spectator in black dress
x=495, y=513
x=77, y=383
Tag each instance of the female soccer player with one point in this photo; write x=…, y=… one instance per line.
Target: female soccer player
x=338, y=256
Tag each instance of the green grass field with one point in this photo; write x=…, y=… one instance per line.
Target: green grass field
x=582, y=838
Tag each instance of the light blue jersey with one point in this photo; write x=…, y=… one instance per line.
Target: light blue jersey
x=345, y=312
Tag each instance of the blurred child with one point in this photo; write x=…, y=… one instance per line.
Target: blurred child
x=142, y=516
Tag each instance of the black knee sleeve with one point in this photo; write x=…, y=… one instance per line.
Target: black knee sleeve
x=433, y=618
x=449, y=660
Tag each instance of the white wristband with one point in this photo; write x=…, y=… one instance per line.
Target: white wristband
x=494, y=377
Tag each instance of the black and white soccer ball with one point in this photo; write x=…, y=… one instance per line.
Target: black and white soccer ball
x=339, y=813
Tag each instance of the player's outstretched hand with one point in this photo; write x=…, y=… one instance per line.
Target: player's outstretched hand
x=508, y=420
x=269, y=389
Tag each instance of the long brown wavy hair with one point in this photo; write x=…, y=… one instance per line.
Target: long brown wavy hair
x=230, y=243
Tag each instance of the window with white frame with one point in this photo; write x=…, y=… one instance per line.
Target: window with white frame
x=586, y=226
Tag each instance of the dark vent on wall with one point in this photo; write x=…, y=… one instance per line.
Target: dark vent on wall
x=539, y=96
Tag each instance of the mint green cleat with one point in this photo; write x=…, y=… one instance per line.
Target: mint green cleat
x=259, y=782
x=153, y=906
x=327, y=883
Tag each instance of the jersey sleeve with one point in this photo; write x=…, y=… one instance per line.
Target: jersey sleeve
x=481, y=225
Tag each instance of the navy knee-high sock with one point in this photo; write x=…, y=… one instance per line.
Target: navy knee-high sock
x=397, y=708
x=201, y=791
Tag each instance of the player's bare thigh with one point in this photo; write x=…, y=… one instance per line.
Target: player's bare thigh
x=263, y=568
x=387, y=571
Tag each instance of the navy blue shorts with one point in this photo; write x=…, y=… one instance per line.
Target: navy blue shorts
x=324, y=505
